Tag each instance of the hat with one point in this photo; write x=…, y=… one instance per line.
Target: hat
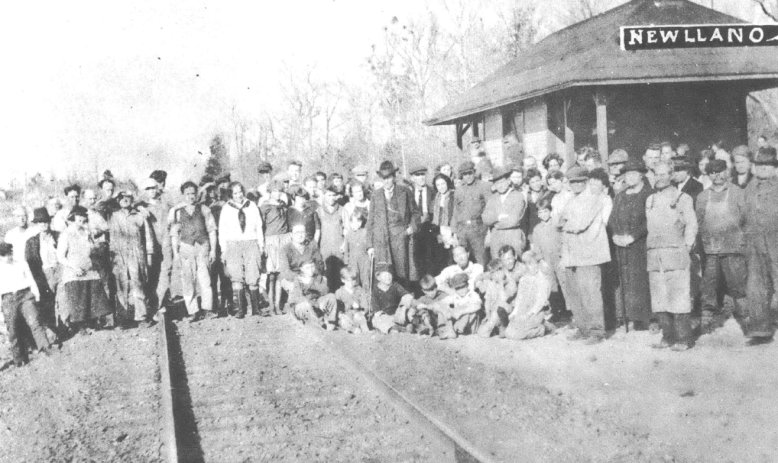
x=148, y=183
x=741, y=150
x=715, y=166
x=458, y=281
x=681, y=163
x=618, y=157
x=766, y=156
x=381, y=267
x=635, y=165
x=124, y=193
x=226, y=177
x=387, y=169
x=359, y=170
x=501, y=173
x=419, y=170
x=465, y=167
x=577, y=174
x=264, y=167
x=41, y=215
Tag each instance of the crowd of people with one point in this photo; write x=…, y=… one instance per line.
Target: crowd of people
x=513, y=252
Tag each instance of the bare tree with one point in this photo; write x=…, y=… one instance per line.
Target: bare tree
x=769, y=8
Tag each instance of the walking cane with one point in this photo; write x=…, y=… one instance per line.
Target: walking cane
x=370, y=287
x=621, y=284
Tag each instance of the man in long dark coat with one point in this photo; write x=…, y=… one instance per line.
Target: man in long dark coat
x=423, y=241
x=393, y=218
x=628, y=226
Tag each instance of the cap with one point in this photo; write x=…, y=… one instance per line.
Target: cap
x=226, y=177
x=715, y=166
x=123, y=193
x=618, y=156
x=458, y=281
x=635, y=165
x=381, y=267
x=359, y=170
x=741, y=150
x=419, y=170
x=465, y=167
x=681, y=163
x=766, y=156
x=577, y=174
x=264, y=167
x=501, y=173
x=148, y=183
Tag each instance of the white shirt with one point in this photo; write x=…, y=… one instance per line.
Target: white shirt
x=229, y=225
x=14, y=277
x=472, y=271
x=18, y=239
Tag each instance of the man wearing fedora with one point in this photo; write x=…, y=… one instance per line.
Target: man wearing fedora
x=393, y=219
x=761, y=252
x=41, y=255
x=503, y=213
x=469, y=202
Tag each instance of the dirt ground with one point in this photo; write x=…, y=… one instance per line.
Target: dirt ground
x=96, y=400
x=551, y=399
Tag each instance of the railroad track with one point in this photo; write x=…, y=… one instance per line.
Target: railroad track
x=269, y=389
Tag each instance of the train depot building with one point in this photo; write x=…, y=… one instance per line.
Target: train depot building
x=579, y=87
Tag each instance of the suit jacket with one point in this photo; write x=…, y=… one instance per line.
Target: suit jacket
x=378, y=233
x=430, y=196
x=692, y=188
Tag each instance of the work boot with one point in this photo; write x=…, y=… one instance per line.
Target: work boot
x=239, y=303
x=665, y=322
x=683, y=329
x=255, y=301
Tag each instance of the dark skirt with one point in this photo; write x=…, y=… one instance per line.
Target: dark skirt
x=84, y=300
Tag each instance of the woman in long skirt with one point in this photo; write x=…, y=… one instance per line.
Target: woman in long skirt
x=82, y=298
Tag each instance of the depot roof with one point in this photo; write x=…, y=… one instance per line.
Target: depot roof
x=589, y=53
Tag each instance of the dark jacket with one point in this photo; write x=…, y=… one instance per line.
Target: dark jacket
x=379, y=235
x=692, y=188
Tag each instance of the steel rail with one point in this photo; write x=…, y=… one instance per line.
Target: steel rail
x=464, y=450
x=169, y=434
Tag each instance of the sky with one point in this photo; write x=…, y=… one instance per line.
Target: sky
x=90, y=85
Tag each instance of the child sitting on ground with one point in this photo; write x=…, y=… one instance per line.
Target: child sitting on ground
x=390, y=301
x=530, y=312
x=459, y=311
x=354, y=300
x=498, y=289
x=309, y=299
x=423, y=317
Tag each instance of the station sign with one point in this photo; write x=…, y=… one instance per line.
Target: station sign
x=698, y=36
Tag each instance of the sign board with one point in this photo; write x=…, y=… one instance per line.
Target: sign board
x=698, y=36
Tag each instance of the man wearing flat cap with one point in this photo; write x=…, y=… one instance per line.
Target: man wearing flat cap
x=584, y=250
x=628, y=228
x=721, y=218
x=503, y=214
x=469, y=203
x=683, y=180
x=156, y=210
x=423, y=241
x=616, y=162
x=761, y=250
x=392, y=220
x=265, y=170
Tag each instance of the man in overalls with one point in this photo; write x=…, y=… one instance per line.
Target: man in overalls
x=721, y=217
x=672, y=232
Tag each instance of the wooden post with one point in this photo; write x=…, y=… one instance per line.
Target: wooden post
x=569, y=134
x=602, y=124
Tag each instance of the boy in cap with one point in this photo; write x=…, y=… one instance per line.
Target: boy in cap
x=721, y=218
x=425, y=319
x=309, y=299
x=19, y=297
x=461, y=264
x=390, y=301
x=459, y=311
x=469, y=202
